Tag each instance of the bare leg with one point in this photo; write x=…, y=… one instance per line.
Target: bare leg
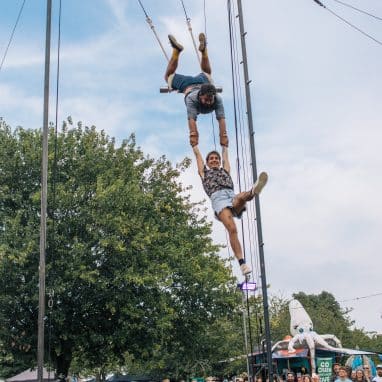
x=205, y=62
x=240, y=201
x=226, y=218
x=244, y=197
x=173, y=63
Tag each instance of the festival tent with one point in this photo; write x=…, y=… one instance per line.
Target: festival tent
x=30, y=375
x=283, y=360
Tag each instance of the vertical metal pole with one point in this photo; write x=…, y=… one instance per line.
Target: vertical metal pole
x=257, y=201
x=44, y=188
x=245, y=333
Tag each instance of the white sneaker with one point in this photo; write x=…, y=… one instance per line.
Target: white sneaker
x=260, y=183
x=245, y=269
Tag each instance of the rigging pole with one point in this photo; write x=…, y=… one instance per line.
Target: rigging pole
x=257, y=201
x=44, y=188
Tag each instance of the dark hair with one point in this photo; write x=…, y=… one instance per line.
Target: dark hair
x=207, y=89
x=213, y=152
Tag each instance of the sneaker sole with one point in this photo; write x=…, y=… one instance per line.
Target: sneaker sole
x=202, y=42
x=175, y=43
x=260, y=183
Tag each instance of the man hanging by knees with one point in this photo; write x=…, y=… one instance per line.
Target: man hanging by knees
x=218, y=185
x=199, y=92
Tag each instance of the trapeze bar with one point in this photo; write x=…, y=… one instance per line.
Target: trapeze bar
x=165, y=89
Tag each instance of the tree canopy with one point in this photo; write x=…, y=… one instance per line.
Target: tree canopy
x=135, y=275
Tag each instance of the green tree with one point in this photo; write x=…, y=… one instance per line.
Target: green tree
x=135, y=275
x=279, y=317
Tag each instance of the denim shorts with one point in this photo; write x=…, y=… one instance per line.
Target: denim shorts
x=223, y=199
x=181, y=83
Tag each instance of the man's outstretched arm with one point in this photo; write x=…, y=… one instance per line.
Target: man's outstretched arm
x=199, y=160
x=225, y=159
x=194, y=134
x=223, y=132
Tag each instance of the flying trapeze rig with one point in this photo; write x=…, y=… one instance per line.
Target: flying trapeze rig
x=247, y=286
x=238, y=65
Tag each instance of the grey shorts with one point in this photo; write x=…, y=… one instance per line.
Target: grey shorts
x=223, y=199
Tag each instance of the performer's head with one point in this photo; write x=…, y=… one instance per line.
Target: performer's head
x=213, y=159
x=207, y=94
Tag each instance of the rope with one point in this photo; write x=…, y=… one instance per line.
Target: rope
x=235, y=97
x=212, y=117
x=359, y=10
x=13, y=32
x=347, y=22
x=245, y=160
x=149, y=21
x=54, y=166
x=362, y=297
x=234, y=93
x=205, y=18
x=53, y=188
x=188, y=22
x=143, y=9
x=213, y=130
x=50, y=313
x=184, y=9
x=56, y=113
x=357, y=298
x=242, y=167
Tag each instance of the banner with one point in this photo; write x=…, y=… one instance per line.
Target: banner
x=324, y=369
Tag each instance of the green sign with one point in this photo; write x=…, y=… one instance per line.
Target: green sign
x=324, y=369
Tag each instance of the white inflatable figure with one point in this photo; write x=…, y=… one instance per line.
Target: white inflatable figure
x=301, y=328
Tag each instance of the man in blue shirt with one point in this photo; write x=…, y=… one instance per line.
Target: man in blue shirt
x=199, y=93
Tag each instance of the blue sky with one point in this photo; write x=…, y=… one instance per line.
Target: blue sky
x=316, y=94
